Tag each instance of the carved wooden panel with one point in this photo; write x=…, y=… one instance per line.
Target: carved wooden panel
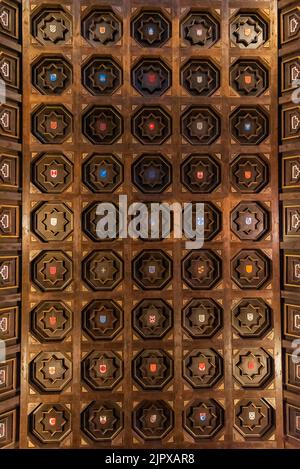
x=120, y=335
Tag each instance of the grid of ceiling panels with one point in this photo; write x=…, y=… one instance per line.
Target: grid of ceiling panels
x=136, y=343
x=289, y=62
x=10, y=211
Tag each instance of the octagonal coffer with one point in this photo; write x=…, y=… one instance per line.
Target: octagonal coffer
x=102, y=125
x=200, y=77
x=201, y=173
x=52, y=270
x=253, y=418
x=202, y=318
x=102, y=319
x=250, y=221
x=152, y=174
x=249, y=173
x=101, y=27
x=102, y=75
x=91, y=219
x=249, y=125
x=52, y=123
x=102, y=421
x=102, y=270
x=52, y=172
x=249, y=77
x=151, y=28
x=51, y=26
x=211, y=221
x=200, y=29
x=52, y=75
x=202, y=368
x=152, y=369
x=200, y=125
x=151, y=125
x=51, y=321
x=151, y=76
x=51, y=371
x=251, y=269
x=102, y=173
x=50, y=423
x=152, y=318
x=202, y=269
x=153, y=419
x=52, y=221
x=251, y=317
x=252, y=368
x=102, y=370
x=249, y=30
x=203, y=418
x=152, y=269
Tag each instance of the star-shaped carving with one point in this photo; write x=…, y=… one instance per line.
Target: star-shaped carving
x=53, y=29
x=200, y=78
x=56, y=71
x=153, y=419
x=102, y=420
x=53, y=421
x=151, y=30
x=61, y=173
x=60, y=218
x=103, y=173
x=247, y=31
x=248, y=126
x=152, y=368
x=103, y=319
x=102, y=77
x=151, y=78
x=152, y=269
x=54, y=124
x=103, y=270
x=250, y=317
x=53, y=369
x=249, y=269
x=246, y=221
x=201, y=367
x=248, y=79
x=53, y=270
x=152, y=173
x=199, y=32
x=200, y=126
x=102, y=29
x=151, y=126
x=53, y=319
x=253, y=411
x=102, y=125
x=250, y=365
x=208, y=417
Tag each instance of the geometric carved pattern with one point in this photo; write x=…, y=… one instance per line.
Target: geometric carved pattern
x=292, y=420
x=200, y=29
x=290, y=24
x=9, y=325
x=292, y=373
x=202, y=368
x=249, y=221
x=9, y=272
x=101, y=26
x=251, y=317
x=9, y=221
x=102, y=319
x=102, y=420
x=51, y=321
x=10, y=69
x=9, y=171
x=151, y=125
x=202, y=269
x=291, y=320
x=202, y=318
x=291, y=267
x=291, y=220
x=8, y=421
x=152, y=318
x=200, y=125
x=253, y=417
x=51, y=26
x=52, y=270
x=102, y=270
x=151, y=28
x=52, y=172
x=248, y=30
x=102, y=173
x=249, y=77
x=290, y=123
x=203, y=418
x=102, y=370
x=152, y=270
x=249, y=173
x=90, y=221
x=200, y=77
x=52, y=221
x=200, y=174
x=152, y=369
x=51, y=371
x=102, y=125
x=52, y=123
x=252, y=367
x=151, y=77
x=8, y=378
x=249, y=125
x=153, y=420
x=50, y=423
x=250, y=269
x=151, y=173
x=102, y=75
x=211, y=222
x=10, y=121
x=9, y=19
x=52, y=75
x=291, y=172
x=290, y=71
